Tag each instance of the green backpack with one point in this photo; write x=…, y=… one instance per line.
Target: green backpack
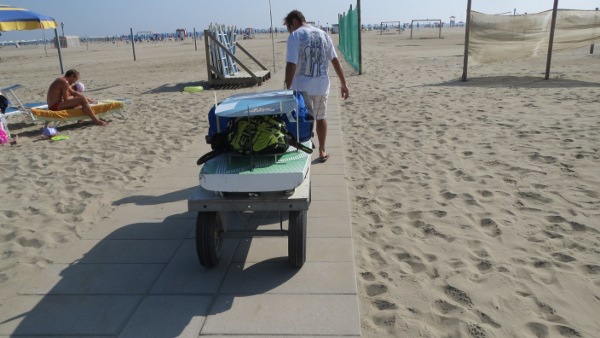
x=259, y=135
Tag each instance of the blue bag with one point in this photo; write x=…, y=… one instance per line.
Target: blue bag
x=304, y=119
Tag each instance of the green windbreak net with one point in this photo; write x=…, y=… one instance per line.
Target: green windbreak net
x=349, y=43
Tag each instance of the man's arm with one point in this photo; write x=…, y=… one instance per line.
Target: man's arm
x=290, y=71
x=337, y=66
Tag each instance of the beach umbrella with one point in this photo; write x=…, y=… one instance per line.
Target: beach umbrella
x=18, y=19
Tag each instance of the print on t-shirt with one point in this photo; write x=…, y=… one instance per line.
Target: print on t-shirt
x=312, y=56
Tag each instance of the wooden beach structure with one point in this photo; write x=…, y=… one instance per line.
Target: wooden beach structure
x=222, y=65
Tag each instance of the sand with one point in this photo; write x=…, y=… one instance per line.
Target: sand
x=475, y=205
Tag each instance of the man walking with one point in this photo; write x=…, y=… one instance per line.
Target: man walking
x=309, y=51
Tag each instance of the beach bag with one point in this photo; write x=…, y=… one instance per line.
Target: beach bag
x=304, y=120
x=4, y=103
x=259, y=135
x=212, y=125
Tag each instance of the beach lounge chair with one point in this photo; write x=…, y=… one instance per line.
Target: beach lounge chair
x=16, y=106
x=100, y=109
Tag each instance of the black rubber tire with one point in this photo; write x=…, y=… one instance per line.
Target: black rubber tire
x=297, y=238
x=209, y=238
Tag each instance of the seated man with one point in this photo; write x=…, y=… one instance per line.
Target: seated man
x=62, y=96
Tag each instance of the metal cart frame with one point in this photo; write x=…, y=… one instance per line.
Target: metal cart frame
x=210, y=228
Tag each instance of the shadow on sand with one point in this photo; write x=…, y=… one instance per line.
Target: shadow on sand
x=518, y=81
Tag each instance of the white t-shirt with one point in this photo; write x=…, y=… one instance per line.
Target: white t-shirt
x=311, y=49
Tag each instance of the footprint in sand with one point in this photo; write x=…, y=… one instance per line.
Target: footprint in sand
x=566, y=331
x=445, y=307
x=368, y=276
x=485, y=193
x=448, y=195
x=458, y=295
x=414, y=262
x=491, y=226
x=476, y=331
x=539, y=330
x=563, y=257
x=382, y=304
x=488, y=320
x=376, y=289
x=484, y=265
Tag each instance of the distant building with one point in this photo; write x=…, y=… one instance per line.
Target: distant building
x=180, y=33
x=67, y=41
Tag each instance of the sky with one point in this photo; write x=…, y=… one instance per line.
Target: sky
x=97, y=18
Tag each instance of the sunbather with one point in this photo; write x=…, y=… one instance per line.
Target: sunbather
x=62, y=96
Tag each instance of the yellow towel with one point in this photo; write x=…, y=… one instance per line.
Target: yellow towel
x=76, y=113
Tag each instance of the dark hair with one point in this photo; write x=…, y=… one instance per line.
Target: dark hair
x=295, y=14
x=71, y=72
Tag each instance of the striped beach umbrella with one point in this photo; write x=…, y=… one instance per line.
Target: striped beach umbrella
x=20, y=19
x=17, y=19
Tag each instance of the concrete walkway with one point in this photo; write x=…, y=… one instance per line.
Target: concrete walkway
x=136, y=274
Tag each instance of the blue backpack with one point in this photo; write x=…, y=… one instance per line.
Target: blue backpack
x=305, y=121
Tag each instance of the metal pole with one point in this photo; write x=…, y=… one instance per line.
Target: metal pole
x=467, y=33
x=132, y=43
x=195, y=44
x=359, y=38
x=551, y=41
x=592, y=45
x=272, y=36
x=57, y=41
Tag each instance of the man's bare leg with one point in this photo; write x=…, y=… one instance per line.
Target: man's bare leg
x=322, y=136
x=88, y=110
x=81, y=101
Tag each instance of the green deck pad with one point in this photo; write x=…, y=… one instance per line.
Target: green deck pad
x=290, y=162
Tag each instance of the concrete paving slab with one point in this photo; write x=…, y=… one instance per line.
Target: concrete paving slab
x=168, y=316
x=279, y=277
x=185, y=275
x=118, y=251
x=338, y=180
x=271, y=314
x=329, y=227
x=332, y=209
x=168, y=228
x=259, y=249
x=66, y=315
x=94, y=279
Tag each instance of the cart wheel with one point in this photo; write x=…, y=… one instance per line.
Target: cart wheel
x=297, y=238
x=209, y=238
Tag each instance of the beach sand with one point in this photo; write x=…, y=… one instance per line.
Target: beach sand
x=475, y=205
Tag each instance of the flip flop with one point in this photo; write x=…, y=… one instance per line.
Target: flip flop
x=324, y=158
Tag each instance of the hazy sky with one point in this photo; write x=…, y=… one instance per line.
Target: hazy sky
x=115, y=17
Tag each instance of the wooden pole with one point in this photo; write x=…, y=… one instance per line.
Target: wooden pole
x=62, y=71
x=272, y=35
x=195, y=40
x=359, y=38
x=467, y=34
x=132, y=43
x=551, y=41
x=592, y=45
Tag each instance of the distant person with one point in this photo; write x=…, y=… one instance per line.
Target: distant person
x=62, y=96
x=309, y=51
